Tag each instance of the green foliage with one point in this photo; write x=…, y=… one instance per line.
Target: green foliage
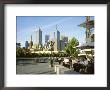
x=70, y=48
x=19, y=52
x=22, y=52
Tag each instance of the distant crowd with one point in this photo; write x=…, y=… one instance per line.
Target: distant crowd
x=82, y=65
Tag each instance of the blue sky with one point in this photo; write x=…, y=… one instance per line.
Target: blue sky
x=67, y=25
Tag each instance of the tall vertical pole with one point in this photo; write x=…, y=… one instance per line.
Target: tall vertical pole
x=87, y=27
x=31, y=37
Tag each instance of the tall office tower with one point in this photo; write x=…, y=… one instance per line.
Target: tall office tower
x=54, y=36
x=46, y=38
x=26, y=44
x=31, y=43
x=64, y=38
x=57, y=41
x=39, y=37
x=63, y=42
x=62, y=45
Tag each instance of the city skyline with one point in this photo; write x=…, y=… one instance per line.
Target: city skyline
x=66, y=25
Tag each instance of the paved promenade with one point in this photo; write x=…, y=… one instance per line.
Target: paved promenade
x=42, y=68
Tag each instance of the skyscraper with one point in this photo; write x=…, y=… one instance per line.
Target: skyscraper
x=57, y=41
x=54, y=36
x=62, y=45
x=63, y=42
x=39, y=37
x=26, y=44
x=31, y=43
x=64, y=38
x=46, y=38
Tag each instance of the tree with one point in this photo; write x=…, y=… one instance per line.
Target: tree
x=71, y=47
x=23, y=52
x=19, y=52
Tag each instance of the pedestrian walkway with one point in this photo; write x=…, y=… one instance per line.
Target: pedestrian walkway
x=42, y=68
x=64, y=70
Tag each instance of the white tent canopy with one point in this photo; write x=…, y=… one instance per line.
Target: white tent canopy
x=87, y=50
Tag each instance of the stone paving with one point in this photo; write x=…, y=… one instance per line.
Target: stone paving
x=42, y=68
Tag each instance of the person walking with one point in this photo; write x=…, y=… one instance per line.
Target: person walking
x=70, y=61
x=50, y=62
x=59, y=60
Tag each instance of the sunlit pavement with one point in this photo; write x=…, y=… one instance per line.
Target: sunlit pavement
x=42, y=68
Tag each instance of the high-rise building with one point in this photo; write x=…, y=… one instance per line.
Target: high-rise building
x=31, y=43
x=26, y=44
x=57, y=41
x=62, y=45
x=63, y=42
x=46, y=38
x=39, y=37
x=54, y=36
x=64, y=38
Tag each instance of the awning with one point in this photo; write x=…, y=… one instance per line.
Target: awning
x=87, y=50
x=86, y=45
x=82, y=54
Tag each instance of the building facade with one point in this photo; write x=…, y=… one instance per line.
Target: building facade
x=64, y=38
x=62, y=45
x=47, y=39
x=39, y=37
x=46, y=45
x=31, y=43
x=26, y=44
x=57, y=41
x=63, y=42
